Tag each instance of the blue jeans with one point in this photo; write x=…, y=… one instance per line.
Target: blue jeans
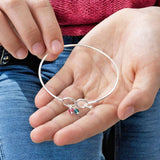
x=136, y=138
x=19, y=84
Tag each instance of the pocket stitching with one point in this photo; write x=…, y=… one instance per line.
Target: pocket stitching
x=2, y=156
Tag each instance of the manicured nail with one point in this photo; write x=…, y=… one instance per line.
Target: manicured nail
x=38, y=48
x=56, y=46
x=21, y=53
x=128, y=112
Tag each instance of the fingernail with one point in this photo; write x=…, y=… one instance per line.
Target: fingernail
x=38, y=48
x=128, y=112
x=56, y=46
x=21, y=53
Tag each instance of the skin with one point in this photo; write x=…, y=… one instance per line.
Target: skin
x=131, y=37
x=23, y=27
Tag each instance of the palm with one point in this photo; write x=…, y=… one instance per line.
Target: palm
x=93, y=75
x=90, y=76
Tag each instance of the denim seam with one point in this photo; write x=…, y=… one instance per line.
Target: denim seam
x=2, y=156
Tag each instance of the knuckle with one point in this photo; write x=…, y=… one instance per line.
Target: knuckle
x=49, y=29
x=52, y=31
x=31, y=33
x=39, y=3
x=9, y=4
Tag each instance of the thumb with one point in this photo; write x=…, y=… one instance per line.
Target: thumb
x=142, y=94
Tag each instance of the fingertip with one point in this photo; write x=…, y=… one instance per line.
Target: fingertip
x=33, y=120
x=135, y=101
x=59, y=139
x=68, y=135
x=51, y=57
x=34, y=137
x=126, y=112
x=39, y=98
x=37, y=101
x=38, y=135
x=21, y=53
x=127, y=106
x=38, y=48
x=53, y=50
x=64, y=137
x=57, y=47
x=42, y=98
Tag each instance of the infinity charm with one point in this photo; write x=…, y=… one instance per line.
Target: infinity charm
x=73, y=104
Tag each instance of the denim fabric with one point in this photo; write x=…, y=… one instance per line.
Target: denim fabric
x=18, y=86
x=140, y=135
x=136, y=138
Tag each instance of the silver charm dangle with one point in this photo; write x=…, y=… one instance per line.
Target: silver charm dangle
x=74, y=105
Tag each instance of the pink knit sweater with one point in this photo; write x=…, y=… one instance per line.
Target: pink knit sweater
x=77, y=17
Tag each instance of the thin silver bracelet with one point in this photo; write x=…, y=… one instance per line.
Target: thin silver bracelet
x=76, y=104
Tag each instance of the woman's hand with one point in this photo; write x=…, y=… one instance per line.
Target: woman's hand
x=29, y=25
x=132, y=38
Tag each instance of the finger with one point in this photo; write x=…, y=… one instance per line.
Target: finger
x=20, y=16
x=54, y=108
x=9, y=40
x=142, y=95
x=97, y=120
x=54, y=116
x=44, y=15
x=59, y=82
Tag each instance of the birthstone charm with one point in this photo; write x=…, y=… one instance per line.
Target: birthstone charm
x=76, y=111
x=71, y=110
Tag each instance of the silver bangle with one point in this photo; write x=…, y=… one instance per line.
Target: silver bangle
x=76, y=104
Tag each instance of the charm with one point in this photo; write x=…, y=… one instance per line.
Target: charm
x=76, y=111
x=71, y=110
x=73, y=104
